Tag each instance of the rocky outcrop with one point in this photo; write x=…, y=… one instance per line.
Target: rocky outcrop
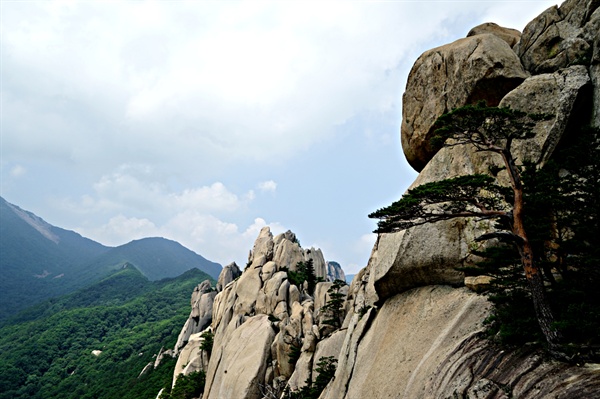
x=280, y=316
x=387, y=301
x=480, y=67
x=239, y=360
x=335, y=272
x=411, y=258
x=510, y=36
x=560, y=37
x=192, y=357
x=200, y=317
x=429, y=339
x=564, y=36
x=408, y=313
x=228, y=274
x=564, y=93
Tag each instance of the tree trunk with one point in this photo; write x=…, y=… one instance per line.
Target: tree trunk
x=542, y=311
x=533, y=274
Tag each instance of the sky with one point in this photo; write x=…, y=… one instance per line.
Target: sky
x=204, y=121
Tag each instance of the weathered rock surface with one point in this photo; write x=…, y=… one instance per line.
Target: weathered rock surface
x=264, y=292
x=510, y=36
x=428, y=338
x=237, y=369
x=560, y=37
x=478, y=283
x=429, y=254
x=201, y=315
x=335, y=272
x=480, y=67
x=228, y=274
x=191, y=358
x=562, y=92
x=564, y=36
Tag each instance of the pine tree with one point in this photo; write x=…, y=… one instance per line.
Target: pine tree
x=487, y=129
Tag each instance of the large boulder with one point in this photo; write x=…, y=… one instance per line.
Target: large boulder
x=318, y=260
x=564, y=36
x=200, y=317
x=227, y=275
x=423, y=255
x=191, y=358
x=262, y=252
x=510, y=36
x=335, y=271
x=560, y=37
x=430, y=254
x=237, y=369
x=480, y=67
x=559, y=94
x=288, y=253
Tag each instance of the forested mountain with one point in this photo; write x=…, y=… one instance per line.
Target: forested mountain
x=46, y=352
x=40, y=261
x=157, y=258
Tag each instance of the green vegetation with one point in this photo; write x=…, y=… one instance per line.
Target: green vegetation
x=305, y=271
x=334, y=306
x=26, y=254
x=312, y=390
x=547, y=223
x=187, y=386
x=47, y=352
x=48, y=262
x=207, y=342
x=295, y=352
x=563, y=219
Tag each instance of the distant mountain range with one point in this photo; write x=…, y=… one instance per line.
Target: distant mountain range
x=39, y=261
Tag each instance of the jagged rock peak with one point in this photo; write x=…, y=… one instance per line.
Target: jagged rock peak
x=202, y=302
x=262, y=252
x=227, y=275
x=335, y=271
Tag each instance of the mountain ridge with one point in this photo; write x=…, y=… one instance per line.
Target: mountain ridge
x=41, y=261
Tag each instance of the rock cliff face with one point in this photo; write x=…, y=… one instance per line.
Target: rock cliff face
x=411, y=329
x=266, y=326
x=427, y=334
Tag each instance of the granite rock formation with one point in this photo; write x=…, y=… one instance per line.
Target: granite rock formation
x=412, y=325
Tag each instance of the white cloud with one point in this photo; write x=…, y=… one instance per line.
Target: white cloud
x=196, y=217
x=18, y=171
x=197, y=84
x=267, y=186
x=202, y=91
x=207, y=198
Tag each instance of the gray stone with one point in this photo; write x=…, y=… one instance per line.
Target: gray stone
x=510, y=36
x=478, y=283
x=288, y=254
x=227, y=275
x=302, y=371
x=262, y=252
x=559, y=37
x=237, y=369
x=480, y=67
x=562, y=92
x=201, y=315
x=191, y=358
x=318, y=262
x=335, y=272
